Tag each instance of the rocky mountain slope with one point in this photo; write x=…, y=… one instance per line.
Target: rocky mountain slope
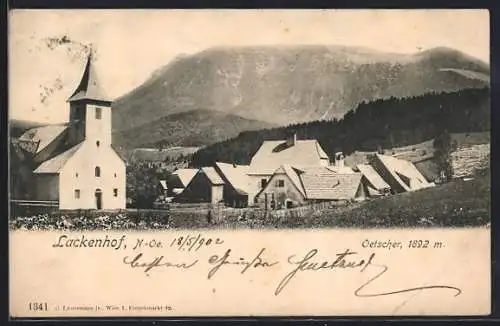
x=290, y=84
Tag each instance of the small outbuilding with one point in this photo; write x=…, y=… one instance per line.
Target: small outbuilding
x=206, y=187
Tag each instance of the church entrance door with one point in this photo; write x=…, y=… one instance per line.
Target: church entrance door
x=98, y=198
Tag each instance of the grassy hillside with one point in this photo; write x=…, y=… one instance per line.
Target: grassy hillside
x=291, y=84
x=193, y=128
x=461, y=140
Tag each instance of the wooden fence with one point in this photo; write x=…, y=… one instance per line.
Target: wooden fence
x=33, y=207
x=290, y=216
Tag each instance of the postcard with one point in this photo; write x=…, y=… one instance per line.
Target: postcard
x=241, y=163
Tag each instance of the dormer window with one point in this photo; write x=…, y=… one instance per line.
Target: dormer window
x=98, y=113
x=97, y=171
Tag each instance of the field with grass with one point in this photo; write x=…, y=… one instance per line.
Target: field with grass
x=455, y=204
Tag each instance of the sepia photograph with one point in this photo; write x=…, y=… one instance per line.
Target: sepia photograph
x=246, y=124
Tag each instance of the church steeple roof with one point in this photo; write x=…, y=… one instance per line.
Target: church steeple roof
x=89, y=88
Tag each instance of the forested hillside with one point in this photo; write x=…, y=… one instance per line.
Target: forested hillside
x=379, y=124
x=192, y=128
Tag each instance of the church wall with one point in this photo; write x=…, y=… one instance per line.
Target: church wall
x=98, y=129
x=79, y=174
x=46, y=187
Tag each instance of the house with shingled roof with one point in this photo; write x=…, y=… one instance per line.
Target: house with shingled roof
x=75, y=163
x=292, y=186
x=272, y=154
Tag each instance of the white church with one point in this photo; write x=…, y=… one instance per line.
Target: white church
x=75, y=163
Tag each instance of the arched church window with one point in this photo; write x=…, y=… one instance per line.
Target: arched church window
x=97, y=171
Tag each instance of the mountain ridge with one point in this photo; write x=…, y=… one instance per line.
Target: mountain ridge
x=192, y=128
x=292, y=84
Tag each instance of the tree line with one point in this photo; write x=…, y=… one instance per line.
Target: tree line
x=383, y=123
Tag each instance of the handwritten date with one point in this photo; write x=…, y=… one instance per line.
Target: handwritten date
x=194, y=243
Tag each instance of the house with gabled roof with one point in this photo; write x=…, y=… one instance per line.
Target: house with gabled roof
x=179, y=180
x=75, y=164
x=206, y=187
x=236, y=183
x=375, y=184
x=292, y=186
x=401, y=175
x=272, y=154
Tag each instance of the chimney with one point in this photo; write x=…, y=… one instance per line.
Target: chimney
x=291, y=140
x=339, y=159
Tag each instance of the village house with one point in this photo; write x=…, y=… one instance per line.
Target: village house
x=291, y=186
x=375, y=185
x=401, y=175
x=206, y=187
x=236, y=183
x=272, y=154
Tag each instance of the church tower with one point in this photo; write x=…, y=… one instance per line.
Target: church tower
x=90, y=110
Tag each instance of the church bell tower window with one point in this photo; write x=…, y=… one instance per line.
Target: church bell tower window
x=98, y=113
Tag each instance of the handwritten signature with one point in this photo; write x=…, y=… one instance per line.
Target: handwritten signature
x=344, y=260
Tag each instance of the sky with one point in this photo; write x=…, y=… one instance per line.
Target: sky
x=131, y=44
